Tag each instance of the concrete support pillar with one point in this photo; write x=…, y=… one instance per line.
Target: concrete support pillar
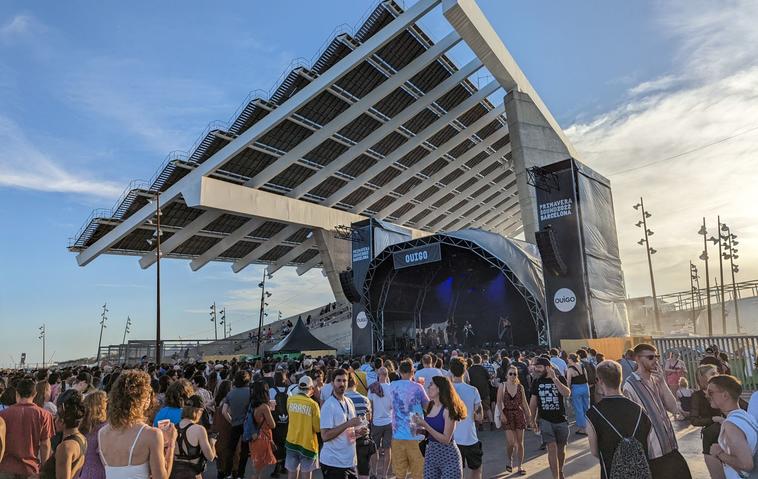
x=533, y=143
x=335, y=256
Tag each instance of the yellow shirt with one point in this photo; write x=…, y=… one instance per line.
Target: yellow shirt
x=361, y=382
x=304, y=423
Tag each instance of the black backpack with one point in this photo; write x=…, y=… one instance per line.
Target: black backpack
x=590, y=372
x=281, y=414
x=629, y=459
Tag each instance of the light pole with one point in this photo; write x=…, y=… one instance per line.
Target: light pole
x=213, y=320
x=719, y=241
x=704, y=256
x=650, y=251
x=222, y=313
x=42, y=336
x=695, y=289
x=731, y=242
x=103, y=319
x=264, y=294
x=126, y=328
x=156, y=239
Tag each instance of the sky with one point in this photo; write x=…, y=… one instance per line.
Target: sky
x=660, y=97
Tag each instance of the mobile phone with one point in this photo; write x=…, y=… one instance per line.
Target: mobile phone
x=163, y=423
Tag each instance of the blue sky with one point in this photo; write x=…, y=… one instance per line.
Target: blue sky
x=93, y=95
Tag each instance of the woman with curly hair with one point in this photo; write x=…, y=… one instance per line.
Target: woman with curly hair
x=176, y=395
x=445, y=409
x=95, y=406
x=129, y=448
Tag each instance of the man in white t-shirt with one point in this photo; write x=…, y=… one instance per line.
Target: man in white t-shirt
x=465, y=431
x=425, y=374
x=339, y=427
x=381, y=424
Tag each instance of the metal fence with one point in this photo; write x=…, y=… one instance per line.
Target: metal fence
x=740, y=350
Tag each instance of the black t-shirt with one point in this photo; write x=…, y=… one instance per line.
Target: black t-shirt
x=480, y=379
x=549, y=400
x=623, y=414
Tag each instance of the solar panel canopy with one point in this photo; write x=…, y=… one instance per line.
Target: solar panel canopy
x=382, y=124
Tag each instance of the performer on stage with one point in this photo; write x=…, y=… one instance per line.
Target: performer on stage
x=468, y=333
x=504, y=333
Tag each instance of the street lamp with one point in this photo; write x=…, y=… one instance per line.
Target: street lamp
x=213, y=320
x=704, y=257
x=730, y=243
x=650, y=251
x=719, y=241
x=103, y=319
x=222, y=313
x=156, y=240
x=42, y=336
x=695, y=290
x=264, y=294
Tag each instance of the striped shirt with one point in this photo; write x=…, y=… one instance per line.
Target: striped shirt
x=361, y=402
x=649, y=395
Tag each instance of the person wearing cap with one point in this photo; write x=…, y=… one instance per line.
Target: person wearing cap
x=548, y=391
x=304, y=425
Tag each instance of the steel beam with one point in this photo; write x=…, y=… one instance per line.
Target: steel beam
x=461, y=194
x=214, y=251
x=272, y=242
x=354, y=111
x=312, y=263
x=406, y=147
x=180, y=237
x=376, y=136
x=415, y=169
x=218, y=159
x=290, y=255
x=464, y=177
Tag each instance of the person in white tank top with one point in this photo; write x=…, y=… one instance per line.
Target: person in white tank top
x=738, y=438
x=129, y=448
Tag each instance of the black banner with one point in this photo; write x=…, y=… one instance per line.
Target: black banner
x=362, y=255
x=429, y=253
x=566, y=295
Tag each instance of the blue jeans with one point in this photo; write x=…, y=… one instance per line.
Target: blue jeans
x=580, y=399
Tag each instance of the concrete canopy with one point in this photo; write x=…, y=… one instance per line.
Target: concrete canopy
x=383, y=124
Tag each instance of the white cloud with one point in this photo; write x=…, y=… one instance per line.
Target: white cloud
x=710, y=95
x=291, y=294
x=17, y=26
x=24, y=165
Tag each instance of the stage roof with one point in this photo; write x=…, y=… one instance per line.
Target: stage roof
x=382, y=124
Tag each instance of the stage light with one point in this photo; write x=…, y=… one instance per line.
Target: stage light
x=693, y=267
x=735, y=243
x=653, y=251
x=650, y=232
x=713, y=240
x=260, y=285
x=736, y=268
x=639, y=224
x=724, y=227
x=647, y=214
x=704, y=256
x=268, y=294
x=702, y=231
x=641, y=242
x=637, y=206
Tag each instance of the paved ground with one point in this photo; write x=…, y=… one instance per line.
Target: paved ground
x=580, y=463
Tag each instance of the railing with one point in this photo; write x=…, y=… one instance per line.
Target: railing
x=740, y=350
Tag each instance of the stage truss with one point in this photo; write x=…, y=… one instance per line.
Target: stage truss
x=536, y=310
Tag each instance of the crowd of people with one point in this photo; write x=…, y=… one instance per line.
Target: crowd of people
x=373, y=417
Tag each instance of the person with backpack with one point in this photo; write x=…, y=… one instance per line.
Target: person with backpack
x=617, y=428
x=737, y=447
x=193, y=446
x=279, y=395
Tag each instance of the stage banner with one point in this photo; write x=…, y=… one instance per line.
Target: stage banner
x=429, y=253
x=566, y=295
x=369, y=237
x=362, y=254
